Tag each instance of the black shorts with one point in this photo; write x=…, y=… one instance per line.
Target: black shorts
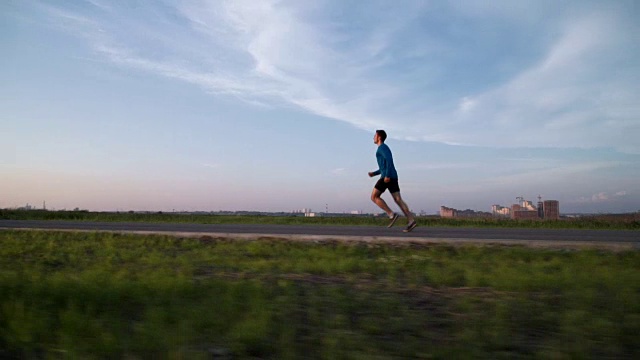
x=391, y=185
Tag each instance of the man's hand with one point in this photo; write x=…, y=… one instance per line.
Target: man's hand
x=370, y=174
x=387, y=179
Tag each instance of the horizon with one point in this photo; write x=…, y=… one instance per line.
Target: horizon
x=272, y=106
x=29, y=207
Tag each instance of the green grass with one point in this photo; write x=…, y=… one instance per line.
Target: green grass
x=614, y=222
x=96, y=295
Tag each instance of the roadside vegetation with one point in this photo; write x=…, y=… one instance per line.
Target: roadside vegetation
x=612, y=222
x=102, y=295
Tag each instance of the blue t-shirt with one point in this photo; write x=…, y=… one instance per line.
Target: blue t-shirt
x=385, y=163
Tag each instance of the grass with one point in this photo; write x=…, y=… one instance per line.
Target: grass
x=97, y=295
x=612, y=222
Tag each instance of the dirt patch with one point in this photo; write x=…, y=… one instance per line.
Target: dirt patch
x=413, y=243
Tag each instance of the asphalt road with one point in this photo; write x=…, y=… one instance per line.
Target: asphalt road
x=550, y=236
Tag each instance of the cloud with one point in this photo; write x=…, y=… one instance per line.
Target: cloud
x=530, y=177
x=402, y=68
x=211, y=166
x=554, y=173
x=602, y=197
x=444, y=166
x=338, y=171
x=564, y=100
x=467, y=104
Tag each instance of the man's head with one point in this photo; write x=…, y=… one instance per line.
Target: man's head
x=379, y=137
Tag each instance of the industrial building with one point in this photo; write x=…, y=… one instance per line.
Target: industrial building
x=551, y=209
x=547, y=210
x=523, y=210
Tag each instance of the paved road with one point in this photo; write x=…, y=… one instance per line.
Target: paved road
x=600, y=237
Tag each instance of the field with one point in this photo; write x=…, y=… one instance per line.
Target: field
x=613, y=222
x=97, y=295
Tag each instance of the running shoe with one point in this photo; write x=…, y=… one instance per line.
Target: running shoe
x=412, y=225
x=393, y=220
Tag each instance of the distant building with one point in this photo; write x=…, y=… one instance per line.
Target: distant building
x=540, y=208
x=528, y=205
x=446, y=212
x=524, y=209
x=26, y=207
x=548, y=210
x=519, y=212
x=514, y=208
x=551, y=209
x=499, y=210
x=525, y=215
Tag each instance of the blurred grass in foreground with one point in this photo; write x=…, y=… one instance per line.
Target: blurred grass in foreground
x=97, y=295
x=617, y=222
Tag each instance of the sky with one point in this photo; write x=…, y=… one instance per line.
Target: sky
x=193, y=105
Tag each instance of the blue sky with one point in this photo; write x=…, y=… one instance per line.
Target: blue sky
x=272, y=105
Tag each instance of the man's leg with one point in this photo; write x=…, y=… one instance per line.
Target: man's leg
x=375, y=197
x=403, y=206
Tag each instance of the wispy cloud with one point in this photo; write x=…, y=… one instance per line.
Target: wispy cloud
x=602, y=197
x=564, y=100
x=211, y=166
x=338, y=171
x=553, y=174
x=444, y=166
x=397, y=67
x=531, y=177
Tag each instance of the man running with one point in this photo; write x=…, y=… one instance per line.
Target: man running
x=388, y=180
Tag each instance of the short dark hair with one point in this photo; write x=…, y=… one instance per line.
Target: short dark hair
x=382, y=134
